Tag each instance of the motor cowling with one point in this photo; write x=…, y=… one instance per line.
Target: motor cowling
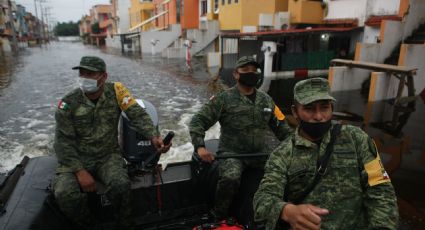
x=138, y=150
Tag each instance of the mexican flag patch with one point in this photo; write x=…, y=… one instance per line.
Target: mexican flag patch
x=62, y=105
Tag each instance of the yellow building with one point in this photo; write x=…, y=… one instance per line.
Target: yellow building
x=235, y=14
x=305, y=12
x=140, y=11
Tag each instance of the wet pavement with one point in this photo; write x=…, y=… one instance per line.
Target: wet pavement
x=32, y=83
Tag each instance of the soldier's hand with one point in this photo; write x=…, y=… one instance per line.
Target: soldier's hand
x=86, y=181
x=159, y=145
x=205, y=154
x=304, y=216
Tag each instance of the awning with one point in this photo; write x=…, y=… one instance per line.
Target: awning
x=290, y=32
x=148, y=20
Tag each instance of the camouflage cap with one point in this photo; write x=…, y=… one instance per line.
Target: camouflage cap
x=246, y=60
x=92, y=63
x=311, y=90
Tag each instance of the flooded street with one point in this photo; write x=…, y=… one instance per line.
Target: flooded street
x=32, y=84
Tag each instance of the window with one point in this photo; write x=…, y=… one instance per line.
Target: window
x=215, y=5
x=223, y=2
x=236, y=1
x=229, y=2
x=204, y=7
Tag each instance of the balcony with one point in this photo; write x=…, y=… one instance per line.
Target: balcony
x=105, y=23
x=305, y=12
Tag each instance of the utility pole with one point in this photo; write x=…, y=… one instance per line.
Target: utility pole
x=42, y=20
x=36, y=17
x=46, y=16
x=12, y=26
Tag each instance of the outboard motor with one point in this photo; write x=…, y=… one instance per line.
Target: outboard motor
x=138, y=150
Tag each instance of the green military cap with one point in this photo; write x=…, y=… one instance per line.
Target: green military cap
x=246, y=60
x=92, y=63
x=311, y=90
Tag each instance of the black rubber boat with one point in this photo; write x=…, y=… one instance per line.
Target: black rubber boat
x=177, y=197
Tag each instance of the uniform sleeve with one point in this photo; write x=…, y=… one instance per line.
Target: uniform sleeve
x=207, y=116
x=138, y=116
x=268, y=200
x=278, y=124
x=379, y=199
x=65, y=144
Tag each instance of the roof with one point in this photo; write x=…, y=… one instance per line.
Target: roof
x=292, y=31
x=376, y=20
x=342, y=21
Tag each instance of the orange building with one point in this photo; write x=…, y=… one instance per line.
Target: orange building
x=171, y=17
x=189, y=14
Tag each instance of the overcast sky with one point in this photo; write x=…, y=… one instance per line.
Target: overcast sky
x=63, y=10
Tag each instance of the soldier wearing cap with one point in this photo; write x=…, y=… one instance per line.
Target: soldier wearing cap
x=354, y=192
x=86, y=144
x=244, y=114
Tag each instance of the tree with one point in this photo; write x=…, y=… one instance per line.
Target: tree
x=95, y=28
x=67, y=29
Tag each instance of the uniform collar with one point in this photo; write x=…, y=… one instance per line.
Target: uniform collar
x=243, y=97
x=301, y=141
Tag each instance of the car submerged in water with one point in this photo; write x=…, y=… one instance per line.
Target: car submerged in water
x=176, y=197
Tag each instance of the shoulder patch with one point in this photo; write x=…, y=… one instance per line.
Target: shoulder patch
x=376, y=172
x=124, y=98
x=280, y=116
x=63, y=105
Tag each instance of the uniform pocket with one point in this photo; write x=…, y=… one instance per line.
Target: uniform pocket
x=83, y=125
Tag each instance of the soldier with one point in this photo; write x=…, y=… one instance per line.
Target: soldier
x=86, y=144
x=353, y=190
x=244, y=114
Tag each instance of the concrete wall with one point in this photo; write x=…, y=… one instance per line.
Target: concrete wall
x=165, y=37
x=414, y=56
x=344, y=78
x=383, y=86
x=114, y=42
x=5, y=45
x=213, y=59
x=124, y=17
x=414, y=17
x=347, y=9
x=371, y=34
x=361, y=9
x=383, y=7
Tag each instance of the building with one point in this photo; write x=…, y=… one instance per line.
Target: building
x=101, y=22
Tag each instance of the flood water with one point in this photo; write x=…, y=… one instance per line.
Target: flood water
x=32, y=83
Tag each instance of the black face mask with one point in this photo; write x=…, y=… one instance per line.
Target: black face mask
x=249, y=79
x=315, y=130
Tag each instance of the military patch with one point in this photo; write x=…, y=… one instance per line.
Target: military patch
x=279, y=115
x=62, y=105
x=124, y=98
x=376, y=172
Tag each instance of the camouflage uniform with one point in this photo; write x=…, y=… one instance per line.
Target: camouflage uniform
x=355, y=189
x=86, y=138
x=243, y=127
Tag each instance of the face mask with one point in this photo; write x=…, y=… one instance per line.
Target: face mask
x=315, y=130
x=249, y=79
x=88, y=85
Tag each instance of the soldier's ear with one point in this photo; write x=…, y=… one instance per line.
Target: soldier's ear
x=235, y=75
x=294, y=111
